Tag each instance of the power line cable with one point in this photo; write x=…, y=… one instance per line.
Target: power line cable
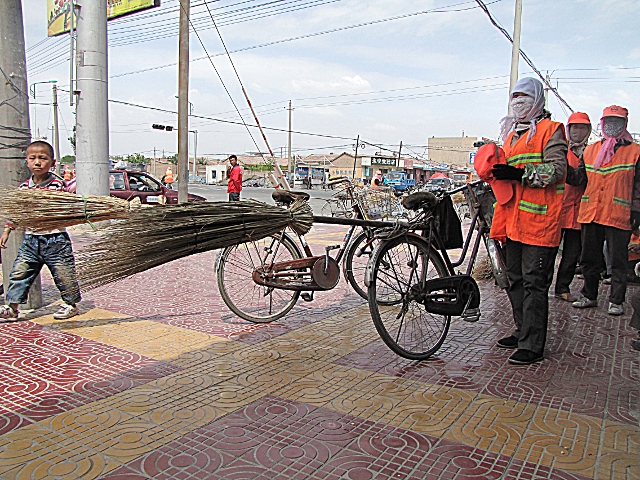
x=524, y=56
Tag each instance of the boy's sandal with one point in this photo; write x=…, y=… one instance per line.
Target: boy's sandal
x=7, y=312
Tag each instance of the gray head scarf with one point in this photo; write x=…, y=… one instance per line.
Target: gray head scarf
x=533, y=88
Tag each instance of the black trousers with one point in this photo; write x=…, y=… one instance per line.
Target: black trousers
x=571, y=248
x=593, y=237
x=234, y=196
x=530, y=270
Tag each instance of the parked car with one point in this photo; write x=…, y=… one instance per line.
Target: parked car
x=127, y=184
x=441, y=183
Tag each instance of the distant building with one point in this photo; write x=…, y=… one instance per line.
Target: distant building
x=452, y=151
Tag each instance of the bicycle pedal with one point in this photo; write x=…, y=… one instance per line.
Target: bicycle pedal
x=307, y=296
x=471, y=315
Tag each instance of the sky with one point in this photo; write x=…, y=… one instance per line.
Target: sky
x=388, y=71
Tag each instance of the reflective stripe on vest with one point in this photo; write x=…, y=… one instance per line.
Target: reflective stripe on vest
x=533, y=207
x=524, y=158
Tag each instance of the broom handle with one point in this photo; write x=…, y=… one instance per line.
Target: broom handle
x=353, y=221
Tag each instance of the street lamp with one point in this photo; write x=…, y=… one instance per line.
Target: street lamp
x=32, y=89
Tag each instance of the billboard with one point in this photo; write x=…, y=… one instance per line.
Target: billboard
x=58, y=12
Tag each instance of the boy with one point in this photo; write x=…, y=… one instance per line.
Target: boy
x=52, y=249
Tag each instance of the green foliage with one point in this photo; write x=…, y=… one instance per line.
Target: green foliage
x=262, y=167
x=201, y=161
x=173, y=159
x=67, y=159
x=137, y=158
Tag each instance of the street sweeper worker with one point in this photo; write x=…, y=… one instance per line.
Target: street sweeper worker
x=610, y=207
x=578, y=131
x=50, y=248
x=536, y=164
x=234, y=186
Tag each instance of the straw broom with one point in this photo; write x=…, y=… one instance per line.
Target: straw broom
x=155, y=236
x=43, y=210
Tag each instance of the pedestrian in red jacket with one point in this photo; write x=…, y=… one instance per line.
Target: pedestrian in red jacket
x=235, y=179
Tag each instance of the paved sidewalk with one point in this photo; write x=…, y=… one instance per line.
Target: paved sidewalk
x=157, y=379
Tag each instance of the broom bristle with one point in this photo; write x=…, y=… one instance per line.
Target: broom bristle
x=483, y=269
x=155, y=236
x=49, y=210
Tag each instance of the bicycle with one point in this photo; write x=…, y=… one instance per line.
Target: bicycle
x=261, y=281
x=413, y=288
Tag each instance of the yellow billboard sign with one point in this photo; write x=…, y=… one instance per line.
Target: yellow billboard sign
x=58, y=12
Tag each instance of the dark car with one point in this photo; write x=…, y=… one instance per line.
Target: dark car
x=127, y=184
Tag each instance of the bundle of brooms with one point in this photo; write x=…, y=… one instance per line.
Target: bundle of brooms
x=43, y=210
x=154, y=236
x=144, y=238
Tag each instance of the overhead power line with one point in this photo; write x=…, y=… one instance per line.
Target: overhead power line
x=524, y=56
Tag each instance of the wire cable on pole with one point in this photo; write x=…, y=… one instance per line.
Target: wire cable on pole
x=524, y=56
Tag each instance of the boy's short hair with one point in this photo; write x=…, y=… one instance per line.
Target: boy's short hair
x=233, y=156
x=42, y=143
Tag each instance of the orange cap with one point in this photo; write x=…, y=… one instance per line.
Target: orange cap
x=615, y=111
x=579, y=117
x=486, y=158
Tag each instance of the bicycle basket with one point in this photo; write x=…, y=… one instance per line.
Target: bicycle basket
x=487, y=200
x=379, y=204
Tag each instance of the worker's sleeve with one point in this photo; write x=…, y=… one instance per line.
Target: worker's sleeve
x=555, y=153
x=635, y=201
x=554, y=163
x=577, y=177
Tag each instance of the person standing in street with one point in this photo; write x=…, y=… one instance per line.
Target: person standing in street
x=610, y=207
x=578, y=131
x=536, y=152
x=234, y=173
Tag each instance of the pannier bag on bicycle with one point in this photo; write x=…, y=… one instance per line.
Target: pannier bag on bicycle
x=447, y=224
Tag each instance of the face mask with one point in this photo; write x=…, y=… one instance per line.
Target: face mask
x=521, y=107
x=578, y=134
x=613, y=126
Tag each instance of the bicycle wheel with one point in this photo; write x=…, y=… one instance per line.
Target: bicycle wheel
x=245, y=298
x=400, y=319
x=356, y=259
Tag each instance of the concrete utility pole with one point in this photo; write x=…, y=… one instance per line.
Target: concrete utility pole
x=56, y=131
x=291, y=166
x=15, y=134
x=183, y=103
x=92, y=116
x=515, y=50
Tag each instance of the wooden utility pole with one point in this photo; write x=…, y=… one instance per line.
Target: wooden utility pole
x=14, y=124
x=183, y=103
x=515, y=49
x=56, y=131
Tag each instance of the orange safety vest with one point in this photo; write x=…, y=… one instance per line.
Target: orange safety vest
x=607, y=199
x=571, y=201
x=532, y=216
x=168, y=176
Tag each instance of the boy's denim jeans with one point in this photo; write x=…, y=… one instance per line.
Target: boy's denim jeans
x=53, y=250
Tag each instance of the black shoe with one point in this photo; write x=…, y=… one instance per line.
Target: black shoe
x=525, y=357
x=635, y=344
x=508, y=342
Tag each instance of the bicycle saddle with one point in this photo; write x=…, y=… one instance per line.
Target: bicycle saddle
x=287, y=197
x=419, y=200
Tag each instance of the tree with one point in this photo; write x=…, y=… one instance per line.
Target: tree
x=173, y=159
x=72, y=139
x=67, y=159
x=202, y=161
x=137, y=158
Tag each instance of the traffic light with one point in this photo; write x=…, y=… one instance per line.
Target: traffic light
x=160, y=127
